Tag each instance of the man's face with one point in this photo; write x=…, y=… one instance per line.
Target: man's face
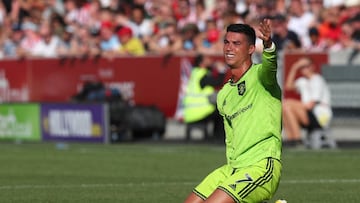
x=236, y=49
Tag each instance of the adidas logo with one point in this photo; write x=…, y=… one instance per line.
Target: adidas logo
x=233, y=186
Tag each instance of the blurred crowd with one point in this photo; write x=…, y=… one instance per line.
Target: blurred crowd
x=111, y=28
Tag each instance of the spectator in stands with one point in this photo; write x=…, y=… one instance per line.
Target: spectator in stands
x=18, y=10
x=259, y=9
x=313, y=110
x=355, y=24
x=185, y=13
x=232, y=17
x=263, y=8
x=352, y=8
x=53, y=8
x=146, y=20
x=166, y=40
x=107, y=15
x=200, y=96
x=283, y=37
x=12, y=42
x=300, y=20
x=75, y=12
x=161, y=10
x=330, y=28
x=209, y=41
x=121, y=18
x=351, y=36
x=49, y=43
x=2, y=13
x=71, y=11
x=30, y=40
x=317, y=6
x=94, y=12
x=143, y=27
x=189, y=33
x=68, y=44
x=109, y=41
x=220, y=9
x=86, y=45
x=317, y=44
x=57, y=24
x=130, y=45
x=202, y=14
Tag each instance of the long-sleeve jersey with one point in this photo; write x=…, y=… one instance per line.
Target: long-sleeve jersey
x=251, y=109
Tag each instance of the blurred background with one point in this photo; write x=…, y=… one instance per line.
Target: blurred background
x=116, y=70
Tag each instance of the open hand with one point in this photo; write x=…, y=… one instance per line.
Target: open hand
x=265, y=32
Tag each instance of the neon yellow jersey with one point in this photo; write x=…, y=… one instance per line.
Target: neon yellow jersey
x=251, y=109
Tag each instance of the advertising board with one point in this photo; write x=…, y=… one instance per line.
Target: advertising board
x=20, y=121
x=74, y=122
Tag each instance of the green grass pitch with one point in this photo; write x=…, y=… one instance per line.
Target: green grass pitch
x=159, y=173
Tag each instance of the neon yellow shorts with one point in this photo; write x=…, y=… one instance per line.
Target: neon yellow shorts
x=255, y=183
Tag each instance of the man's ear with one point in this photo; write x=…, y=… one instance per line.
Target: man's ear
x=251, y=49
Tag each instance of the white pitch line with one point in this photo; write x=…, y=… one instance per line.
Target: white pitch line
x=110, y=185
x=320, y=181
x=11, y=187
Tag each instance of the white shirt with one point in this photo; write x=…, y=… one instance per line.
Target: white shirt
x=316, y=89
x=301, y=26
x=48, y=50
x=143, y=29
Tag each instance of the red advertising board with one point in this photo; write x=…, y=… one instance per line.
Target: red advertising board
x=14, y=80
x=145, y=80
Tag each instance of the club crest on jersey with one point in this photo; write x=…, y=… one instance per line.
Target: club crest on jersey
x=241, y=88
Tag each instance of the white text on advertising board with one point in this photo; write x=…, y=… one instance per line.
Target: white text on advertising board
x=67, y=123
x=9, y=126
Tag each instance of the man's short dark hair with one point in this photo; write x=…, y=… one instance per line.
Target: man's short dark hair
x=245, y=29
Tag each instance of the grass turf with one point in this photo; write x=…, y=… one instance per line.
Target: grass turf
x=159, y=173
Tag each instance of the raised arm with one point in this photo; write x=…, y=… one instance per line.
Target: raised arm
x=269, y=59
x=290, y=80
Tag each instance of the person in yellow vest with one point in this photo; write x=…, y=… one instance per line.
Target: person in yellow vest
x=200, y=96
